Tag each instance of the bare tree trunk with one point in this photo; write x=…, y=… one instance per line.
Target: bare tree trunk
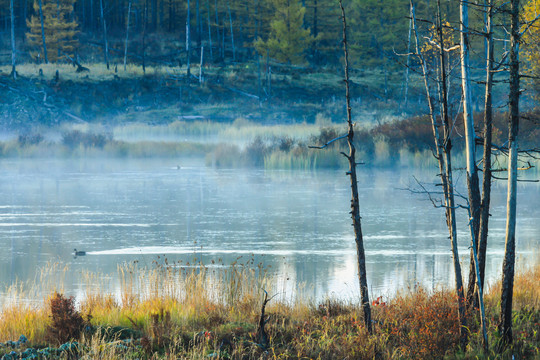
x=154, y=15
x=488, y=127
x=188, y=42
x=442, y=151
x=127, y=35
x=145, y=25
x=355, y=203
x=105, y=44
x=217, y=28
x=479, y=286
x=259, y=82
x=406, y=91
x=24, y=16
x=13, y=51
x=91, y=21
x=472, y=171
x=201, y=66
x=232, y=33
x=209, y=31
x=450, y=201
x=43, y=32
x=198, y=24
x=268, y=76
x=505, y=326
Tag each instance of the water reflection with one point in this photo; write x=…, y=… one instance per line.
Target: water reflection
x=296, y=222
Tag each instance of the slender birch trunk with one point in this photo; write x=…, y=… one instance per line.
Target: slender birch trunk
x=479, y=286
x=201, y=66
x=473, y=186
x=442, y=152
x=406, y=91
x=355, y=203
x=488, y=130
x=505, y=326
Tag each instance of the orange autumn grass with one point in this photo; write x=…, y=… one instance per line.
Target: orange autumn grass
x=177, y=312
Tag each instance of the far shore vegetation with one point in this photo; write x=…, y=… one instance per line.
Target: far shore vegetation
x=198, y=311
x=244, y=143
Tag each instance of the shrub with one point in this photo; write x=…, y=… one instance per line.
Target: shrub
x=75, y=138
x=67, y=323
x=326, y=134
x=29, y=139
x=256, y=151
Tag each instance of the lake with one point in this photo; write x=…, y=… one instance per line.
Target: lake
x=297, y=222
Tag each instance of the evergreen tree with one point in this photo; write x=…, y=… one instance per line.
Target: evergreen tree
x=378, y=27
x=531, y=39
x=60, y=30
x=288, y=39
x=323, y=17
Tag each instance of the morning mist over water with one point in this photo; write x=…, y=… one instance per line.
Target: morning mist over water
x=295, y=223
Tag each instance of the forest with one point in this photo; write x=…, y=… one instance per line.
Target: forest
x=256, y=93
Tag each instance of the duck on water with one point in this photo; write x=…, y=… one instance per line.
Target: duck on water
x=78, y=253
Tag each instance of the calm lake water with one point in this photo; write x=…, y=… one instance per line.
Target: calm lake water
x=297, y=222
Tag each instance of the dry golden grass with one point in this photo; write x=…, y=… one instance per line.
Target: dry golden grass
x=191, y=311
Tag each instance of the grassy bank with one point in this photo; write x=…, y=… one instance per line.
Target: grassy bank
x=52, y=94
x=174, y=311
x=245, y=143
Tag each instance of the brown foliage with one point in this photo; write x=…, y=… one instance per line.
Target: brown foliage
x=67, y=323
x=422, y=326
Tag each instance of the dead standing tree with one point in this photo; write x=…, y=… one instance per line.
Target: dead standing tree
x=487, y=143
x=355, y=203
x=505, y=326
x=443, y=147
x=470, y=149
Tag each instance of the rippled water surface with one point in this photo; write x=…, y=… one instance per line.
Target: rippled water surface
x=297, y=222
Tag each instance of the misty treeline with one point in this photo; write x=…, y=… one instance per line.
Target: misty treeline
x=288, y=31
x=292, y=32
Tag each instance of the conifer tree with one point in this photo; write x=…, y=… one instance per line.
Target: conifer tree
x=60, y=30
x=288, y=39
x=531, y=39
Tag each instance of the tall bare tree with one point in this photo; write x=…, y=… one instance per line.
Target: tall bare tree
x=355, y=203
x=105, y=43
x=472, y=171
x=487, y=134
x=127, y=34
x=505, y=326
x=209, y=29
x=232, y=32
x=443, y=147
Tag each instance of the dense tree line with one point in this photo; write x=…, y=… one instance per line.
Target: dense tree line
x=296, y=32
